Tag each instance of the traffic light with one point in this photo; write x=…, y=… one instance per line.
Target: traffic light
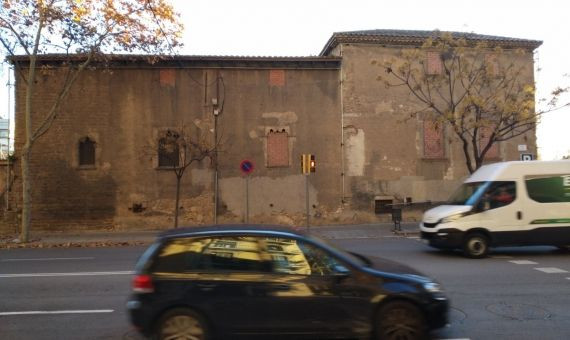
x=308, y=163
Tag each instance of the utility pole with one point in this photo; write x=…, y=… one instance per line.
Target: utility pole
x=217, y=110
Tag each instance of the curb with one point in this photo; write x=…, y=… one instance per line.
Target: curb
x=94, y=239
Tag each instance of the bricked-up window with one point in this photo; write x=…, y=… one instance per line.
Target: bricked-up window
x=86, y=152
x=277, y=77
x=277, y=148
x=167, y=77
x=484, y=135
x=492, y=64
x=434, y=63
x=168, y=150
x=433, y=140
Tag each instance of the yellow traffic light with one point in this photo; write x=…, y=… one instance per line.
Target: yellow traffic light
x=308, y=163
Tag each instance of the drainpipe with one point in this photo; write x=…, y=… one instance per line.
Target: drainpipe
x=216, y=112
x=7, y=192
x=342, y=174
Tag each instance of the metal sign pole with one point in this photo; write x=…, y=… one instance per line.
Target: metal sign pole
x=246, y=198
x=246, y=167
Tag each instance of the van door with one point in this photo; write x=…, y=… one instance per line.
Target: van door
x=501, y=212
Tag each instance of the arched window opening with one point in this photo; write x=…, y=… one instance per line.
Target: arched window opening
x=86, y=152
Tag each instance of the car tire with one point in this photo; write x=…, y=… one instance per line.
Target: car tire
x=476, y=246
x=400, y=320
x=181, y=323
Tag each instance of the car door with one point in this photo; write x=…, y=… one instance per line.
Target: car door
x=308, y=291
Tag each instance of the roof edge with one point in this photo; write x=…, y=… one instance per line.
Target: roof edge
x=411, y=40
x=131, y=60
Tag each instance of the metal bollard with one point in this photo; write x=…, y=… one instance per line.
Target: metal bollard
x=397, y=218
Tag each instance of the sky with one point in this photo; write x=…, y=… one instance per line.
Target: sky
x=302, y=28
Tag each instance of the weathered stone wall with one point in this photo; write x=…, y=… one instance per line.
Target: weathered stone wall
x=366, y=145
x=383, y=145
x=122, y=110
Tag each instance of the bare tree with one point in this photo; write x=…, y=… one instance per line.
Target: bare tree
x=176, y=150
x=82, y=31
x=481, y=92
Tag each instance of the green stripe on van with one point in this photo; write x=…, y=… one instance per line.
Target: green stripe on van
x=551, y=221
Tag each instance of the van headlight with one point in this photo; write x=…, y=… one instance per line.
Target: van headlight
x=452, y=218
x=432, y=287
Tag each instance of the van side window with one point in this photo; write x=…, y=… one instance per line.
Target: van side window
x=548, y=188
x=500, y=194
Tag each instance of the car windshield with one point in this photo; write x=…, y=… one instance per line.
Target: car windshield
x=468, y=193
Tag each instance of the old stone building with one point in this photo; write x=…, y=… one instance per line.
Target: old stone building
x=93, y=167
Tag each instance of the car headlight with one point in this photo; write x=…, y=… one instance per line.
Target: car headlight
x=452, y=218
x=432, y=287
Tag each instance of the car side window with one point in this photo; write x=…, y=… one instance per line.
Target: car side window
x=291, y=256
x=286, y=256
x=320, y=262
x=212, y=254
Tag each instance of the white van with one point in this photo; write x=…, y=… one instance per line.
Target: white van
x=504, y=204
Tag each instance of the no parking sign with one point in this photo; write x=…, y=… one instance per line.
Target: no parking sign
x=246, y=166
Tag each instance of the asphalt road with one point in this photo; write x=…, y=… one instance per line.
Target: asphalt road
x=80, y=293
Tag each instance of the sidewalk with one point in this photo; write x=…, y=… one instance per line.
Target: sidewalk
x=91, y=238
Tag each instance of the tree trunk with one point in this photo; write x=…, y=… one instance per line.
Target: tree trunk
x=26, y=187
x=176, y=204
x=26, y=195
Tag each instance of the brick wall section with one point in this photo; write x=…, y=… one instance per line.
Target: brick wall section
x=62, y=193
x=433, y=140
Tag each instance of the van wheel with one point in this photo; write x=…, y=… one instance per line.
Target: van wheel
x=181, y=323
x=400, y=320
x=476, y=246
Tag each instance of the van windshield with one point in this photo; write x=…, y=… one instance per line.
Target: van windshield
x=468, y=193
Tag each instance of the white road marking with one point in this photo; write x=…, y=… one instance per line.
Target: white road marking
x=66, y=274
x=551, y=270
x=50, y=259
x=523, y=262
x=40, y=312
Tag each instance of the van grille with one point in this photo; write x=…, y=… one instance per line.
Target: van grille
x=430, y=225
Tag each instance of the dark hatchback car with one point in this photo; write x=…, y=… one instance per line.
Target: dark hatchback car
x=228, y=282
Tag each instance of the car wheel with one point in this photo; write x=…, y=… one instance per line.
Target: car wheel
x=476, y=246
x=400, y=320
x=181, y=323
